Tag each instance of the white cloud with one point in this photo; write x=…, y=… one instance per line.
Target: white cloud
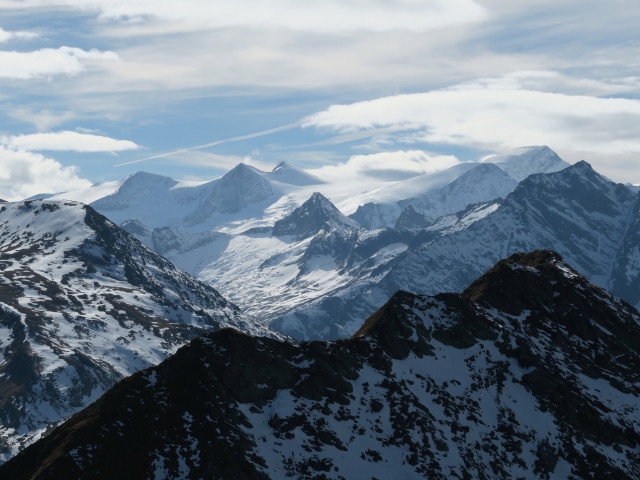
x=310, y=15
x=41, y=119
x=388, y=166
x=6, y=36
x=68, y=141
x=23, y=174
x=500, y=116
x=47, y=62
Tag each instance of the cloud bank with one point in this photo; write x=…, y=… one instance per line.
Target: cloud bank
x=6, y=36
x=310, y=15
x=68, y=141
x=23, y=174
x=498, y=115
x=48, y=62
x=388, y=166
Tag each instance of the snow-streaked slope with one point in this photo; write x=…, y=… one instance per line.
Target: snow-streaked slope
x=576, y=211
x=307, y=254
x=152, y=199
x=483, y=183
x=83, y=304
x=512, y=379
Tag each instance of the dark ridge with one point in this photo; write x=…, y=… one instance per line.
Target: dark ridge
x=413, y=378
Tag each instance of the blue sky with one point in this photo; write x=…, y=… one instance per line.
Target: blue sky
x=396, y=85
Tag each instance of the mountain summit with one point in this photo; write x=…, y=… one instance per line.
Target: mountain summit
x=312, y=216
x=525, y=161
x=238, y=188
x=449, y=386
x=284, y=172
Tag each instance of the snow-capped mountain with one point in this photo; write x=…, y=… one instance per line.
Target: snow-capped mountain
x=289, y=174
x=82, y=305
x=483, y=183
x=305, y=255
x=452, y=190
x=590, y=220
x=308, y=219
x=237, y=189
x=249, y=236
x=511, y=379
x=525, y=161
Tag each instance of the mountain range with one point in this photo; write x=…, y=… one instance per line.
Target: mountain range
x=429, y=233
x=90, y=295
x=530, y=372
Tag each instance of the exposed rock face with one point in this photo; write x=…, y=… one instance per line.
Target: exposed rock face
x=530, y=373
x=82, y=305
x=315, y=214
x=411, y=221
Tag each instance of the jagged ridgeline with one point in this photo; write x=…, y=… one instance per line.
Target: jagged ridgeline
x=531, y=372
x=83, y=304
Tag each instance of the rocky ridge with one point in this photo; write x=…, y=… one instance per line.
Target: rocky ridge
x=82, y=305
x=529, y=373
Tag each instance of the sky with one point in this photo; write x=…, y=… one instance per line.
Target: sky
x=95, y=90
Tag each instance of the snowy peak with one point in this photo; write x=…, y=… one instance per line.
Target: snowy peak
x=284, y=172
x=239, y=188
x=482, y=183
x=525, y=161
x=135, y=188
x=315, y=214
x=577, y=186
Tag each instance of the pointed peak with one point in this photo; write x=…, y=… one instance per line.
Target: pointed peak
x=582, y=166
x=316, y=213
x=282, y=165
x=394, y=328
x=241, y=167
x=317, y=197
x=525, y=161
x=284, y=172
x=524, y=281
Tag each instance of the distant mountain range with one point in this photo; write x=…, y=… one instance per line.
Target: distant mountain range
x=530, y=372
x=273, y=243
x=590, y=220
x=82, y=305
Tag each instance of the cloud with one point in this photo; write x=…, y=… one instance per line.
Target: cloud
x=499, y=115
x=23, y=174
x=68, y=141
x=48, y=62
x=387, y=166
x=41, y=119
x=6, y=36
x=312, y=15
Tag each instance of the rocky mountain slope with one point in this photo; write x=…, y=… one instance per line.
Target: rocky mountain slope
x=530, y=373
x=82, y=305
x=590, y=220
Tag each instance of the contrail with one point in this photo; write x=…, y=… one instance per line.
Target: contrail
x=217, y=142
